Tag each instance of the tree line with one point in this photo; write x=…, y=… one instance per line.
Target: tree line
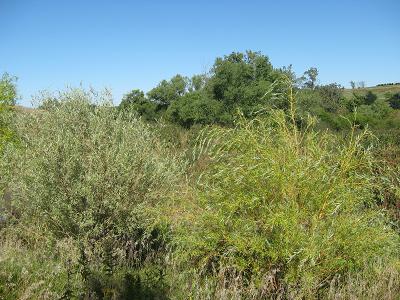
x=248, y=82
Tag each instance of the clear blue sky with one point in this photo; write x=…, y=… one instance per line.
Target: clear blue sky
x=123, y=45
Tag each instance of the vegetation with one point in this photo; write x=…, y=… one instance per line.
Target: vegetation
x=380, y=90
x=81, y=222
x=8, y=96
x=237, y=81
x=283, y=213
x=390, y=83
x=248, y=82
x=243, y=183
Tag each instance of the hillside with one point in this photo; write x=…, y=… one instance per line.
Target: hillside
x=380, y=91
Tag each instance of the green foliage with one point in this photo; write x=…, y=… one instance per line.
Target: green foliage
x=153, y=106
x=325, y=102
x=355, y=101
x=135, y=101
x=236, y=81
x=242, y=81
x=390, y=83
x=311, y=77
x=248, y=82
x=8, y=90
x=194, y=108
x=8, y=96
x=92, y=179
x=197, y=83
x=331, y=97
x=394, y=101
x=135, y=97
x=100, y=204
x=168, y=91
x=361, y=99
x=372, y=114
x=370, y=98
x=282, y=211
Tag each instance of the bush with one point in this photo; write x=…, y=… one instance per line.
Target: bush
x=370, y=98
x=194, y=108
x=331, y=96
x=394, y=101
x=136, y=102
x=372, y=115
x=281, y=213
x=85, y=197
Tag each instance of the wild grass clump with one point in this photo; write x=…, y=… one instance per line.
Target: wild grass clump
x=85, y=186
x=281, y=212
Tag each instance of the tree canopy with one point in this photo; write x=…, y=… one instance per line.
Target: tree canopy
x=235, y=81
x=249, y=83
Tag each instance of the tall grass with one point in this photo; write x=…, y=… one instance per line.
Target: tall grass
x=284, y=213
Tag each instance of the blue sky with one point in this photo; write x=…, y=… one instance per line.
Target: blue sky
x=124, y=45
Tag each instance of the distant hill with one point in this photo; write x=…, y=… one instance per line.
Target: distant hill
x=20, y=108
x=380, y=91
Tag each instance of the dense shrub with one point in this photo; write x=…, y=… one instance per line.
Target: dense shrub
x=136, y=102
x=194, y=108
x=85, y=186
x=280, y=213
x=370, y=98
x=331, y=96
x=372, y=115
x=394, y=101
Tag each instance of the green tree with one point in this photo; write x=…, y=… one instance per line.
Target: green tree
x=168, y=91
x=194, y=108
x=134, y=97
x=331, y=96
x=197, y=82
x=288, y=71
x=311, y=76
x=137, y=101
x=241, y=80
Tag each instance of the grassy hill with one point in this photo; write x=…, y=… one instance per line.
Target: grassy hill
x=380, y=91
